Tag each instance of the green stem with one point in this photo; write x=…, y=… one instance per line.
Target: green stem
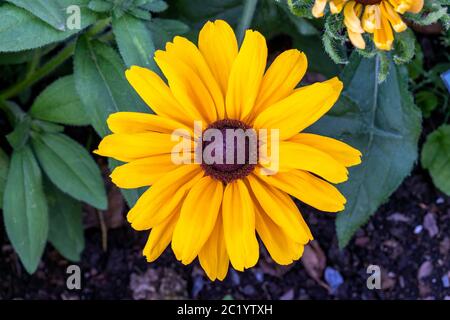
x=40, y=73
x=34, y=63
x=246, y=18
x=99, y=27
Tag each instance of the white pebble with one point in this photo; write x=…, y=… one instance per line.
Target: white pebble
x=418, y=229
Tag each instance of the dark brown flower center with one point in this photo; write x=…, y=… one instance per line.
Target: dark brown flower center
x=229, y=150
x=369, y=2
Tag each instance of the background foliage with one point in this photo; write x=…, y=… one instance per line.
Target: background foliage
x=54, y=78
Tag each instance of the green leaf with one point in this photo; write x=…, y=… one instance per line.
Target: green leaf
x=60, y=103
x=44, y=126
x=415, y=67
x=101, y=84
x=140, y=14
x=164, y=30
x=404, y=47
x=382, y=122
x=436, y=157
x=100, y=5
x=427, y=102
x=20, y=30
x=19, y=137
x=134, y=41
x=66, y=225
x=25, y=208
x=156, y=6
x=48, y=11
x=4, y=167
x=70, y=167
x=384, y=67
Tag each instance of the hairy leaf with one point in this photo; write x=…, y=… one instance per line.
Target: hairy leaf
x=66, y=225
x=20, y=30
x=25, y=209
x=4, y=167
x=135, y=41
x=60, y=103
x=48, y=11
x=436, y=157
x=70, y=167
x=101, y=84
x=19, y=136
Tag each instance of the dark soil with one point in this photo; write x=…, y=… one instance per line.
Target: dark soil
x=414, y=264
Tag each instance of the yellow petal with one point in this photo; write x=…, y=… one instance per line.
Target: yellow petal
x=281, y=78
x=219, y=47
x=401, y=6
x=186, y=85
x=246, y=75
x=371, y=18
x=142, y=172
x=308, y=189
x=416, y=6
x=356, y=39
x=336, y=6
x=239, y=226
x=300, y=156
x=393, y=17
x=213, y=256
x=339, y=150
x=384, y=37
x=197, y=219
x=160, y=237
x=319, y=8
x=136, y=122
x=281, y=209
x=351, y=17
x=158, y=96
x=127, y=147
x=281, y=248
x=301, y=109
x=184, y=50
x=160, y=200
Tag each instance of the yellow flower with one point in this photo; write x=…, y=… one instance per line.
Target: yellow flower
x=377, y=17
x=214, y=211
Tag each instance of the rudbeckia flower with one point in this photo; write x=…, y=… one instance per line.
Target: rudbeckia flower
x=378, y=17
x=215, y=211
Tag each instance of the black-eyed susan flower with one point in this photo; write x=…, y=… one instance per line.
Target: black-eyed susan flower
x=214, y=211
x=379, y=17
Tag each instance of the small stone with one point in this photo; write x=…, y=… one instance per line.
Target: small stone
x=333, y=278
x=445, y=281
x=259, y=276
x=398, y=217
x=248, y=290
x=429, y=222
x=418, y=229
x=197, y=286
x=362, y=241
x=444, y=246
x=425, y=270
x=288, y=295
